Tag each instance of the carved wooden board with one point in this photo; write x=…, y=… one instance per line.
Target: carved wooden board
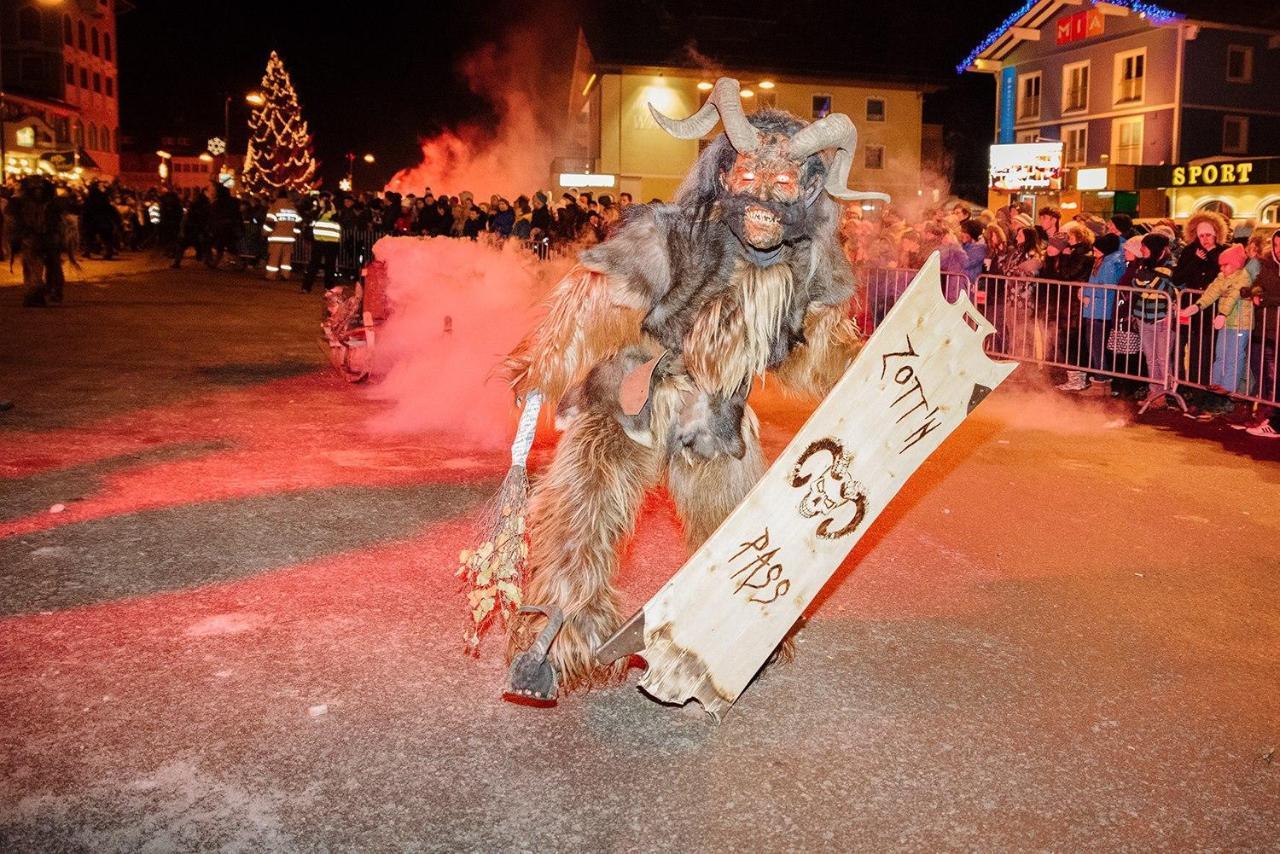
x=712, y=626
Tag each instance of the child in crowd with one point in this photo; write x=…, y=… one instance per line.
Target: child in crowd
x=1231, y=290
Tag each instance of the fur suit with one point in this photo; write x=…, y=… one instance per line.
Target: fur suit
x=743, y=274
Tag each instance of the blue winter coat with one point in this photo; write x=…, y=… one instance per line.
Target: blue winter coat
x=1102, y=301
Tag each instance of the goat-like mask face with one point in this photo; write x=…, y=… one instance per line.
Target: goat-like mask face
x=763, y=197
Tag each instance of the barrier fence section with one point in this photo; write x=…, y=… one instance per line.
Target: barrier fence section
x=1238, y=355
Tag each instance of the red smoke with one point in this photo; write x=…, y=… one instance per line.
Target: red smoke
x=513, y=158
x=457, y=308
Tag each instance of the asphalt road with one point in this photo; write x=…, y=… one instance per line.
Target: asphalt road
x=240, y=629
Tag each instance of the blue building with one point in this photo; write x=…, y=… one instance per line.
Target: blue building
x=1143, y=97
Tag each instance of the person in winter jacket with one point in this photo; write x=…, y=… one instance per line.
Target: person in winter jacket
x=503, y=220
x=98, y=223
x=1097, y=309
x=195, y=228
x=225, y=226
x=1232, y=291
x=1154, y=277
x=1206, y=233
x=1264, y=268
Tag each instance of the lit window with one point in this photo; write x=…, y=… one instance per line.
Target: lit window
x=875, y=109
x=1239, y=64
x=1126, y=141
x=1131, y=72
x=873, y=157
x=821, y=106
x=1235, y=134
x=1075, y=87
x=1271, y=214
x=1075, y=145
x=1029, y=96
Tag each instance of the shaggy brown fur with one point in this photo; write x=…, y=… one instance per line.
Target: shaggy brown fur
x=579, y=513
x=584, y=325
x=705, y=492
x=733, y=335
x=832, y=342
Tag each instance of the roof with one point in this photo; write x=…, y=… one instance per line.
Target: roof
x=804, y=38
x=1033, y=14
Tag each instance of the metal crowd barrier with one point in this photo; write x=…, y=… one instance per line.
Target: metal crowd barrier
x=885, y=284
x=1239, y=363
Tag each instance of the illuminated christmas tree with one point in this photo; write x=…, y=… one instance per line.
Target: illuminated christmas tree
x=280, y=150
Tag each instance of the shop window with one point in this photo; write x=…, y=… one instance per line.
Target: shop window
x=1217, y=206
x=1131, y=75
x=1271, y=213
x=67, y=37
x=1126, y=140
x=1235, y=134
x=873, y=157
x=821, y=106
x=106, y=47
x=1029, y=96
x=83, y=33
x=875, y=109
x=1075, y=87
x=29, y=24
x=1075, y=144
x=1239, y=64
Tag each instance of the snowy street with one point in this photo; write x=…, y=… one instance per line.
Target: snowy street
x=229, y=620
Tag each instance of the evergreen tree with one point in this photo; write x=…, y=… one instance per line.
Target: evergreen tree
x=280, y=150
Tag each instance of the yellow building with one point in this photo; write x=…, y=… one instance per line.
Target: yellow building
x=618, y=138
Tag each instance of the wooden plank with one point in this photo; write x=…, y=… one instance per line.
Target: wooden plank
x=712, y=626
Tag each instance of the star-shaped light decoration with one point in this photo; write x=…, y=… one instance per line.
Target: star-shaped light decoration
x=217, y=146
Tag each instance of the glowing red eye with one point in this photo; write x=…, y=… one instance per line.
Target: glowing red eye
x=783, y=179
x=748, y=176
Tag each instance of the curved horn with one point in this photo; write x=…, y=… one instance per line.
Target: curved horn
x=724, y=104
x=833, y=131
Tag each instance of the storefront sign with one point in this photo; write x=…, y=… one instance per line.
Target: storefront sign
x=1211, y=174
x=1008, y=102
x=1080, y=26
x=1232, y=173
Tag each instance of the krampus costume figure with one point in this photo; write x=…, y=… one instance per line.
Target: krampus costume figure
x=651, y=345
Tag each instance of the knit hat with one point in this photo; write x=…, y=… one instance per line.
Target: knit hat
x=1156, y=244
x=1233, y=254
x=1021, y=220
x=1134, y=246
x=1166, y=232
x=1107, y=243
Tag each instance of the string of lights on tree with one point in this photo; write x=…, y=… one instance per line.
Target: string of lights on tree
x=1155, y=14
x=280, y=152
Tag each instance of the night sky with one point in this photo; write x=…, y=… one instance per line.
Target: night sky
x=377, y=76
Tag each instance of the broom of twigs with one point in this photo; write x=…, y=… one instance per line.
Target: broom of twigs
x=493, y=572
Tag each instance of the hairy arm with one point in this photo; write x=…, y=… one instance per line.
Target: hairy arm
x=597, y=309
x=832, y=341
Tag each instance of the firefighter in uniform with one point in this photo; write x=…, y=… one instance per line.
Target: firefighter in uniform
x=281, y=228
x=326, y=237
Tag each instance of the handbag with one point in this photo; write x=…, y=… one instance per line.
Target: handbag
x=1123, y=340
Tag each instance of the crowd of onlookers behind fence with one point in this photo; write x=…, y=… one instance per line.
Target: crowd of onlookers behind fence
x=1221, y=284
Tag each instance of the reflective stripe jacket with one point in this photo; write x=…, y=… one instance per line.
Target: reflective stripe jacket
x=282, y=222
x=326, y=229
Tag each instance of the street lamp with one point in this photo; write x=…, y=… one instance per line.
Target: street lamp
x=351, y=167
x=165, y=171
x=257, y=99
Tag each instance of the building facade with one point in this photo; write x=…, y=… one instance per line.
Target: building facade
x=58, y=73
x=618, y=137
x=1125, y=85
